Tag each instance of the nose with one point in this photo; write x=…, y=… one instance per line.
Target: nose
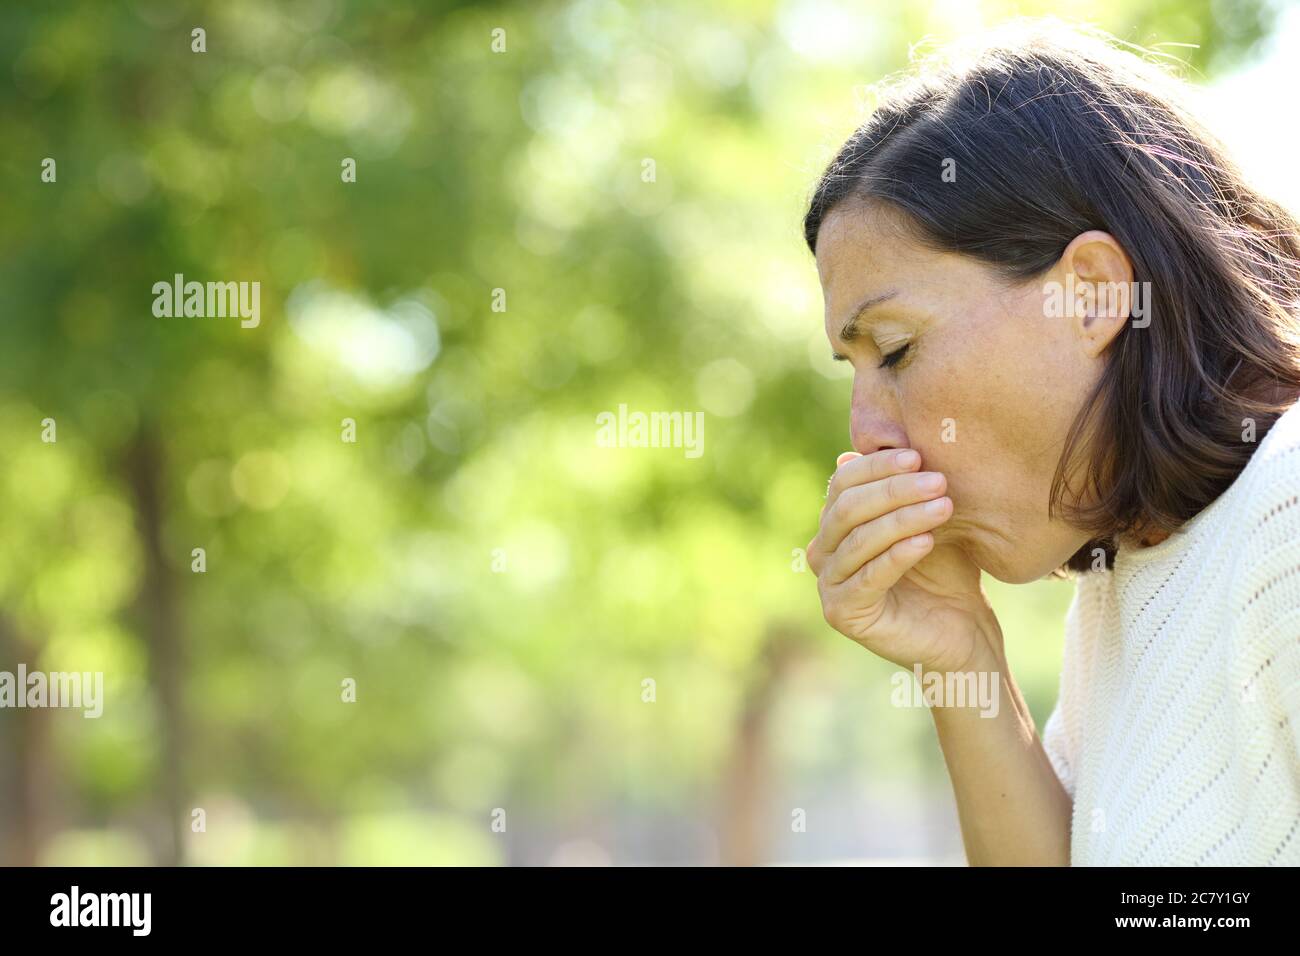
x=874, y=422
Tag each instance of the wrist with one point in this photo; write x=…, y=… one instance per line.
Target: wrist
x=984, y=675
x=990, y=650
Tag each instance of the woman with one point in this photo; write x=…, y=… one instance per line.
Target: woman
x=1076, y=348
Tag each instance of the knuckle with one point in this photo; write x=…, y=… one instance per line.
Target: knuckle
x=884, y=561
x=847, y=503
x=855, y=539
x=833, y=512
x=882, y=464
x=871, y=569
x=896, y=489
x=872, y=466
x=833, y=614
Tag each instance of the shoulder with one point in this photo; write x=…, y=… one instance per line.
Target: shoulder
x=1278, y=450
x=1265, y=515
x=1264, y=586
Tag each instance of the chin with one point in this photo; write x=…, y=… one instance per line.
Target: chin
x=1023, y=567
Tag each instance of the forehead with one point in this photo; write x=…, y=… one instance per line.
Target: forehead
x=864, y=249
x=859, y=239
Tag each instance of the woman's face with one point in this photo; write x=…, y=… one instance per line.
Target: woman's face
x=985, y=391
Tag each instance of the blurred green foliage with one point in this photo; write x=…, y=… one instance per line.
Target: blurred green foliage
x=497, y=585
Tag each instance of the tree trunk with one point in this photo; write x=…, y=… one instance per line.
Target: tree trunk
x=26, y=763
x=158, y=608
x=747, y=784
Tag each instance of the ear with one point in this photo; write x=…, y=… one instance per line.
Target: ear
x=1098, y=272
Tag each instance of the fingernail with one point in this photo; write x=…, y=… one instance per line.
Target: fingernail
x=930, y=482
x=906, y=459
x=937, y=507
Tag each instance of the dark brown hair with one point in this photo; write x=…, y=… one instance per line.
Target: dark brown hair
x=1055, y=132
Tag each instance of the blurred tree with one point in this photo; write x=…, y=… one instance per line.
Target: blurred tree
x=623, y=183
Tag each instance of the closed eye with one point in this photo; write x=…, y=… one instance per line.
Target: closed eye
x=894, y=357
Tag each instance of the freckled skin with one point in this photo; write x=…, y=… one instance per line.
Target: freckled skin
x=983, y=354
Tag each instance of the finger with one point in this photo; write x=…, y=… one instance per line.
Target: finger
x=814, y=557
x=865, y=542
x=844, y=456
x=882, y=572
x=873, y=467
x=863, y=504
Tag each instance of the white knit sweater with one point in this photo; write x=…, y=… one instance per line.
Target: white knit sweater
x=1177, y=728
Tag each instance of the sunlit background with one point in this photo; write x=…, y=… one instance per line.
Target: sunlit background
x=500, y=588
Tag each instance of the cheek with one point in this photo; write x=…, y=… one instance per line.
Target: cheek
x=934, y=416
x=956, y=419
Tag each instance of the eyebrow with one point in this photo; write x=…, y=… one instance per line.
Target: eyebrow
x=851, y=329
